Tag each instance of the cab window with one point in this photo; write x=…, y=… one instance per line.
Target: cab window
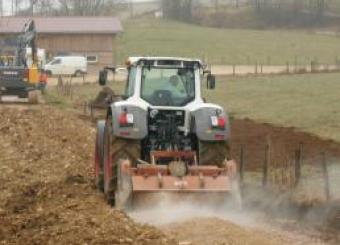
x=56, y=62
x=130, y=86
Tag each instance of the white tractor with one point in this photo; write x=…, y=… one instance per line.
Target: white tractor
x=162, y=136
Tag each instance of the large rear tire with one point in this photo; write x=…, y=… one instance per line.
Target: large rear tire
x=213, y=153
x=123, y=194
x=99, y=156
x=116, y=150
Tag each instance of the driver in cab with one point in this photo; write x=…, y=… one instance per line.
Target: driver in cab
x=173, y=87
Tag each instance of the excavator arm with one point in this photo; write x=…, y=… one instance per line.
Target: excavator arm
x=27, y=38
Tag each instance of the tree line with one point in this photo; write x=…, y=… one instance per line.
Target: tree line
x=173, y=9
x=253, y=13
x=65, y=7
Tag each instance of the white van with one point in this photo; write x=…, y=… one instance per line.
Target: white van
x=67, y=65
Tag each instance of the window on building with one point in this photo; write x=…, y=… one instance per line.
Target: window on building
x=92, y=58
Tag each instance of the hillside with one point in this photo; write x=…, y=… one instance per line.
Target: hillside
x=225, y=46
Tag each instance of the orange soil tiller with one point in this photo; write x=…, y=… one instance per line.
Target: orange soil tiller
x=182, y=174
x=179, y=177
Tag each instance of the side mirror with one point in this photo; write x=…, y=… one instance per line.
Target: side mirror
x=211, y=81
x=102, y=77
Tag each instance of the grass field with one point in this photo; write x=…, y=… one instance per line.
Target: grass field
x=307, y=102
x=80, y=94
x=225, y=46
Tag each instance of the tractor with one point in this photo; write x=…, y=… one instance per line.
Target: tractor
x=162, y=136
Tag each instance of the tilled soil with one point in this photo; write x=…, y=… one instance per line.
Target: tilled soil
x=216, y=231
x=46, y=186
x=284, y=142
x=47, y=195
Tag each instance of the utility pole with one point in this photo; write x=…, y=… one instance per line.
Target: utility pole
x=1, y=8
x=32, y=7
x=131, y=8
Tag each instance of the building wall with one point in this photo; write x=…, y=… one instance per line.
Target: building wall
x=98, y=45
x=77, y=42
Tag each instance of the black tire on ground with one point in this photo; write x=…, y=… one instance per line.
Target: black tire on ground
x=123, y=194
x=116, y=150
x=22, y=94
x=213, y=153
x=78, y=73
x=99, y=156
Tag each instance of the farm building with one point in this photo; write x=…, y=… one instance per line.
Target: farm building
x=93, y=37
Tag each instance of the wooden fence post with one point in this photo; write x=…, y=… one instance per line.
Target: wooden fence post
x=325, y=176
x=241, y=164
x=311, y=67
x=266, y=165
x=298, y=154
x=234, y=70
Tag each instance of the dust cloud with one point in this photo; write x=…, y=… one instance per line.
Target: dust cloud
x=169, y=208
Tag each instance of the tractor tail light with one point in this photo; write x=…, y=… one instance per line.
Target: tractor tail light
x=218, y=122
x=221, y=122
x=126, y=119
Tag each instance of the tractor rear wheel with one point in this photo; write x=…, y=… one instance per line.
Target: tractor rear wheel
x=116, y=150
x=99, y=156
x=123, y=194
x=213, y=153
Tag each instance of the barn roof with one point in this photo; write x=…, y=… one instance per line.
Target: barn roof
x=54, y=25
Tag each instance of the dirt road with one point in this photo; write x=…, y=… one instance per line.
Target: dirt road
x=47, y=195
x=218, y=70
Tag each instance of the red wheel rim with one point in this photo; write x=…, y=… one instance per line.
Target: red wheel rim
x=107, y=167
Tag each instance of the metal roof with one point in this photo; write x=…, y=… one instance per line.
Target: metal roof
x=72, y=25
x=155, y=60
x=151, y=58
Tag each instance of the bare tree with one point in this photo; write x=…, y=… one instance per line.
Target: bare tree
x=86, y=7
x=216, y=6
x=45, y=7
x=178, y=9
